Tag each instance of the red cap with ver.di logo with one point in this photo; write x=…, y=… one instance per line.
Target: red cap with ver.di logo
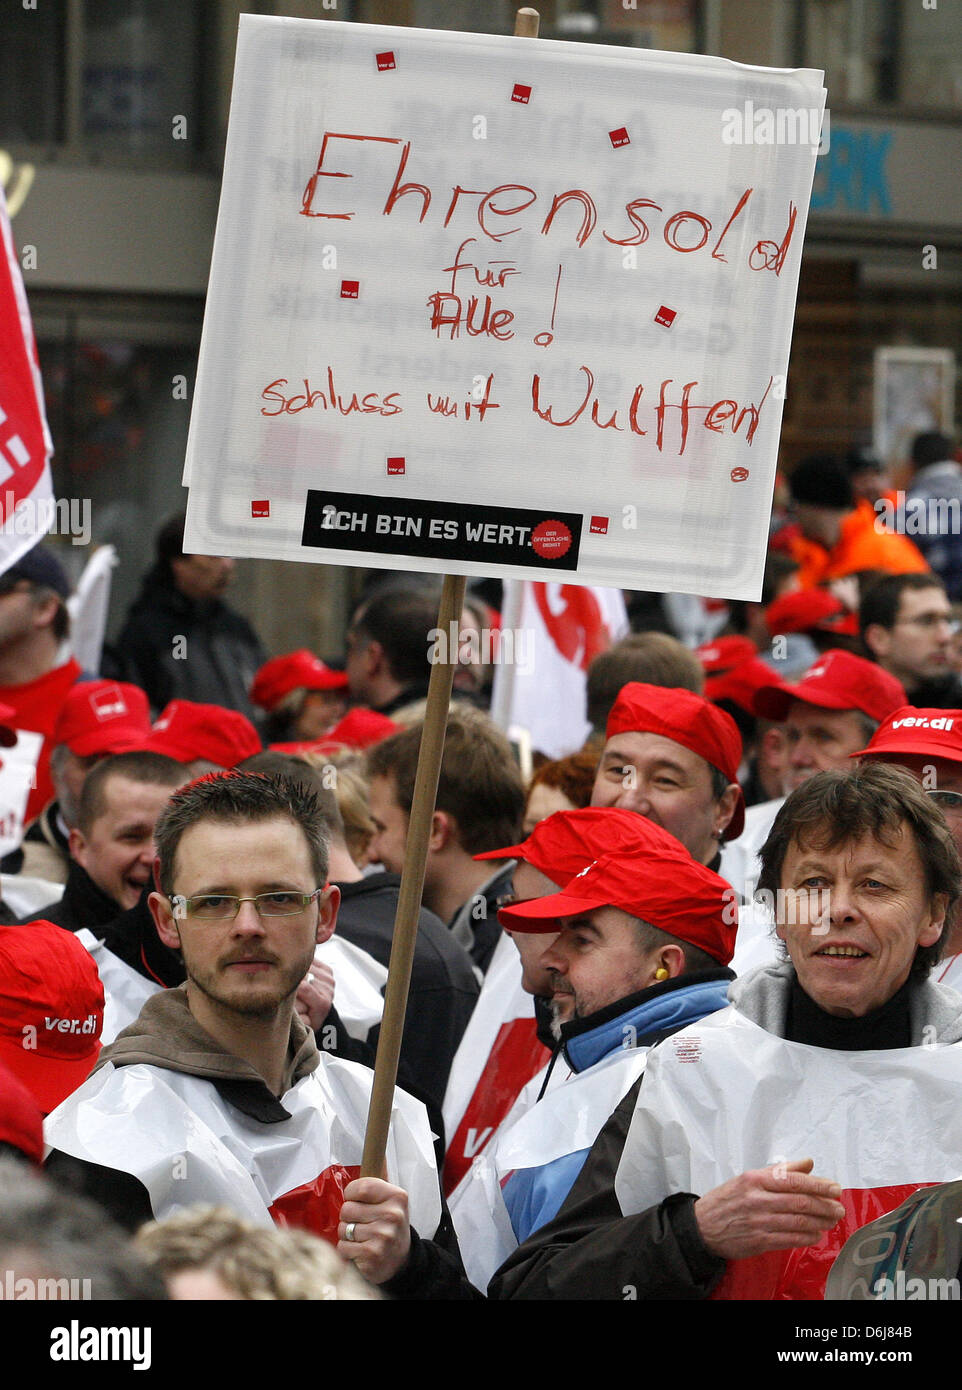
x=103, y=717
x=566, y=842
x=187, y=731
x=51, y=1010
x=926, y=733
x=673, y=893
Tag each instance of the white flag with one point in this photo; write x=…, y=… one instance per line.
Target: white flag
x=557, y=631
x=498, y=1054
x=88, y=606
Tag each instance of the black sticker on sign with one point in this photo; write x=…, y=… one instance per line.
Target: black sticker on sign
x=441, y=530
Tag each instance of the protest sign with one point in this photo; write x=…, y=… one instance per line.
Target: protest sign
x=488, y=306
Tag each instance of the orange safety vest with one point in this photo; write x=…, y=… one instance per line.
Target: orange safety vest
x=860, y=547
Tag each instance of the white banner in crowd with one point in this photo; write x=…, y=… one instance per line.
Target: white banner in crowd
x=497, y=1056
x=26, y=489
x=491, y=306
x=18, y=774
x=562, y=628
x=88, y=606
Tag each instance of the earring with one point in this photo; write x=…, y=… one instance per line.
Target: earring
x=661, y=973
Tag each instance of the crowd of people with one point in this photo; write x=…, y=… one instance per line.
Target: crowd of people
x=682, y=1012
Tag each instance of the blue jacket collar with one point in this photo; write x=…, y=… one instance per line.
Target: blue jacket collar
x=642, y=1019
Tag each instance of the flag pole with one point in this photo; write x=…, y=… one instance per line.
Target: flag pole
x=412, y=876
x=419, y=830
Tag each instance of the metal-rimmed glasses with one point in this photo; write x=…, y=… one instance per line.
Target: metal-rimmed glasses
x=224, y=907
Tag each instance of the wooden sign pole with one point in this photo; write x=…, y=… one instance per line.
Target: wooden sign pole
x=416, y=848
x=412, y=881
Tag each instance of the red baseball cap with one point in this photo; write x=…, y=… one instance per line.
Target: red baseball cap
x=566, y=842
x=21, y=1119
x=741, y=684
x=806, y=609
x=186, y=731
x=300, y=670
x=8, y=733
x=360, y=728
x=103, y=717
x=724, y=653
x=931, y=733
x=688, y=719
x=838, y=680
x=690, y=901
x=51, y=1010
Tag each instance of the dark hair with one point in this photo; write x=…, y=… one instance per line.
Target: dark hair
x=480, y=784
x=652, y=938
x=862, y=459
x=154, y=768
x=876, y=799
x=719, y=782
x=931, y=447
x=399, y=620
x=652, y=657
x=240, y=798
x=310, y=777
x=169, y=542
x=779, y=566
x=881, y=601
x=821, y=481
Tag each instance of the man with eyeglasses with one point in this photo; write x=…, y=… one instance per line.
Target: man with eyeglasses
x=906, y=625
x=217, y=1092
x=928, y=743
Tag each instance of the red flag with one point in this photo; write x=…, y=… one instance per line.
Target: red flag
x=25, y=445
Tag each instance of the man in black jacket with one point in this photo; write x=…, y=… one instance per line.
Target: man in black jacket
x=181, y=640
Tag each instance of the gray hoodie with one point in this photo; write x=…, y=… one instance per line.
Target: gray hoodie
x=763, y=994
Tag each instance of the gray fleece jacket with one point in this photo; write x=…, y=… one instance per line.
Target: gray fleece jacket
x=763, y=994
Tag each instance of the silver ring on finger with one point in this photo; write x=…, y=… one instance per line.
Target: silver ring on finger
x=349, y=1232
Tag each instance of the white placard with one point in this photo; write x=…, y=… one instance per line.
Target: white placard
x=18, y=774
x=552, y=282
